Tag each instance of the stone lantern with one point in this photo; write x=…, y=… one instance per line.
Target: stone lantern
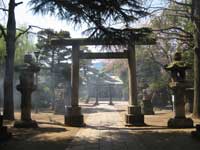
x=146, y=105
x=26, y=87
x=178, y=85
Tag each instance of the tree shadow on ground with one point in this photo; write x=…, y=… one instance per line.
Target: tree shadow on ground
x=144, y=140
x=94, y=109
x=148, y=127
x=52, y=123
x=48, y=136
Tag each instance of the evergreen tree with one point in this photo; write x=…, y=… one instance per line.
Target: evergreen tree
x=100, y=16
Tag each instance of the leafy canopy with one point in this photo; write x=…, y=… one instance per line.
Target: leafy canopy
x=105, y=18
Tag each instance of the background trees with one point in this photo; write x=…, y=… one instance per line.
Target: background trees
x=196, y=21
x=24, y=44
x=175, y=27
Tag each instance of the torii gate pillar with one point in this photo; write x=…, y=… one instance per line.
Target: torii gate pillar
x=134, y=116
x=73, y=116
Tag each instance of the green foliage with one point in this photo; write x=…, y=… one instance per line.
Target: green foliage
x=96, y=11
x=42, y=96
x=118, y=68
x=23, y=46
x=2, y=50
x=49, y=53
x=100, y=16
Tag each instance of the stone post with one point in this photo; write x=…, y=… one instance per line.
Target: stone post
x=73, y=116
x=179, y=120
x=134, y=116
x=97, y=94
x=146, y=105
x=110, y=94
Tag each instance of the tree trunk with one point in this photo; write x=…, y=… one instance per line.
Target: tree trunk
x=9, y=68
x=53, y=80
x=196, y=15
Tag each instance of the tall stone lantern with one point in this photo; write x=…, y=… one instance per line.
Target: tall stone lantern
x=26, y=87
x=178, y=85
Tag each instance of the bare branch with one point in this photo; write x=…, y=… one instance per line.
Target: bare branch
x=173, y=38
x=180, y=3
x=153, y=58
x=30, y=31
x=173, y=28
x=33, y=26
x=3, y=9
x=167, y=9
x=25, y=31
x=188, y=16
x=19, y=3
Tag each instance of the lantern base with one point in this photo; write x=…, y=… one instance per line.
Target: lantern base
x=180, y=123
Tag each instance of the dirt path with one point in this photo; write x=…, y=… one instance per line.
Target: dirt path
x=105, y=130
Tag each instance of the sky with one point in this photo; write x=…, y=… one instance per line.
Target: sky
x=24, y=16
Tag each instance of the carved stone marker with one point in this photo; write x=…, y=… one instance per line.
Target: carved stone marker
x=110, y=95
x=96, y=95
x=178, y=86
x=146, y=105
x=4, y=134
x=26, y=87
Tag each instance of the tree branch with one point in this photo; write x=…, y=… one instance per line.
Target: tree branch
x=2, y=29
x=173, y=28
x=3, y=9
x=154, y=59
x=19, y=3
x=180, y=3
x=25, y=31
x=155, y=9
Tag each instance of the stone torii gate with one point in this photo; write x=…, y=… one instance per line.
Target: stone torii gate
x=73, y=116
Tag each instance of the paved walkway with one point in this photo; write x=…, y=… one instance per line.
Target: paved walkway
x=105, y=131
x=99, y=130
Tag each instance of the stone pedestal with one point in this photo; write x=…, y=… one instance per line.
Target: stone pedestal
x=74, y=117
x=4, y=134
x=26, y=121
x=25, y=124
x=147, y=107
x=134, y=116
x=179, y=120
x=196, y=133
x=111, y=103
